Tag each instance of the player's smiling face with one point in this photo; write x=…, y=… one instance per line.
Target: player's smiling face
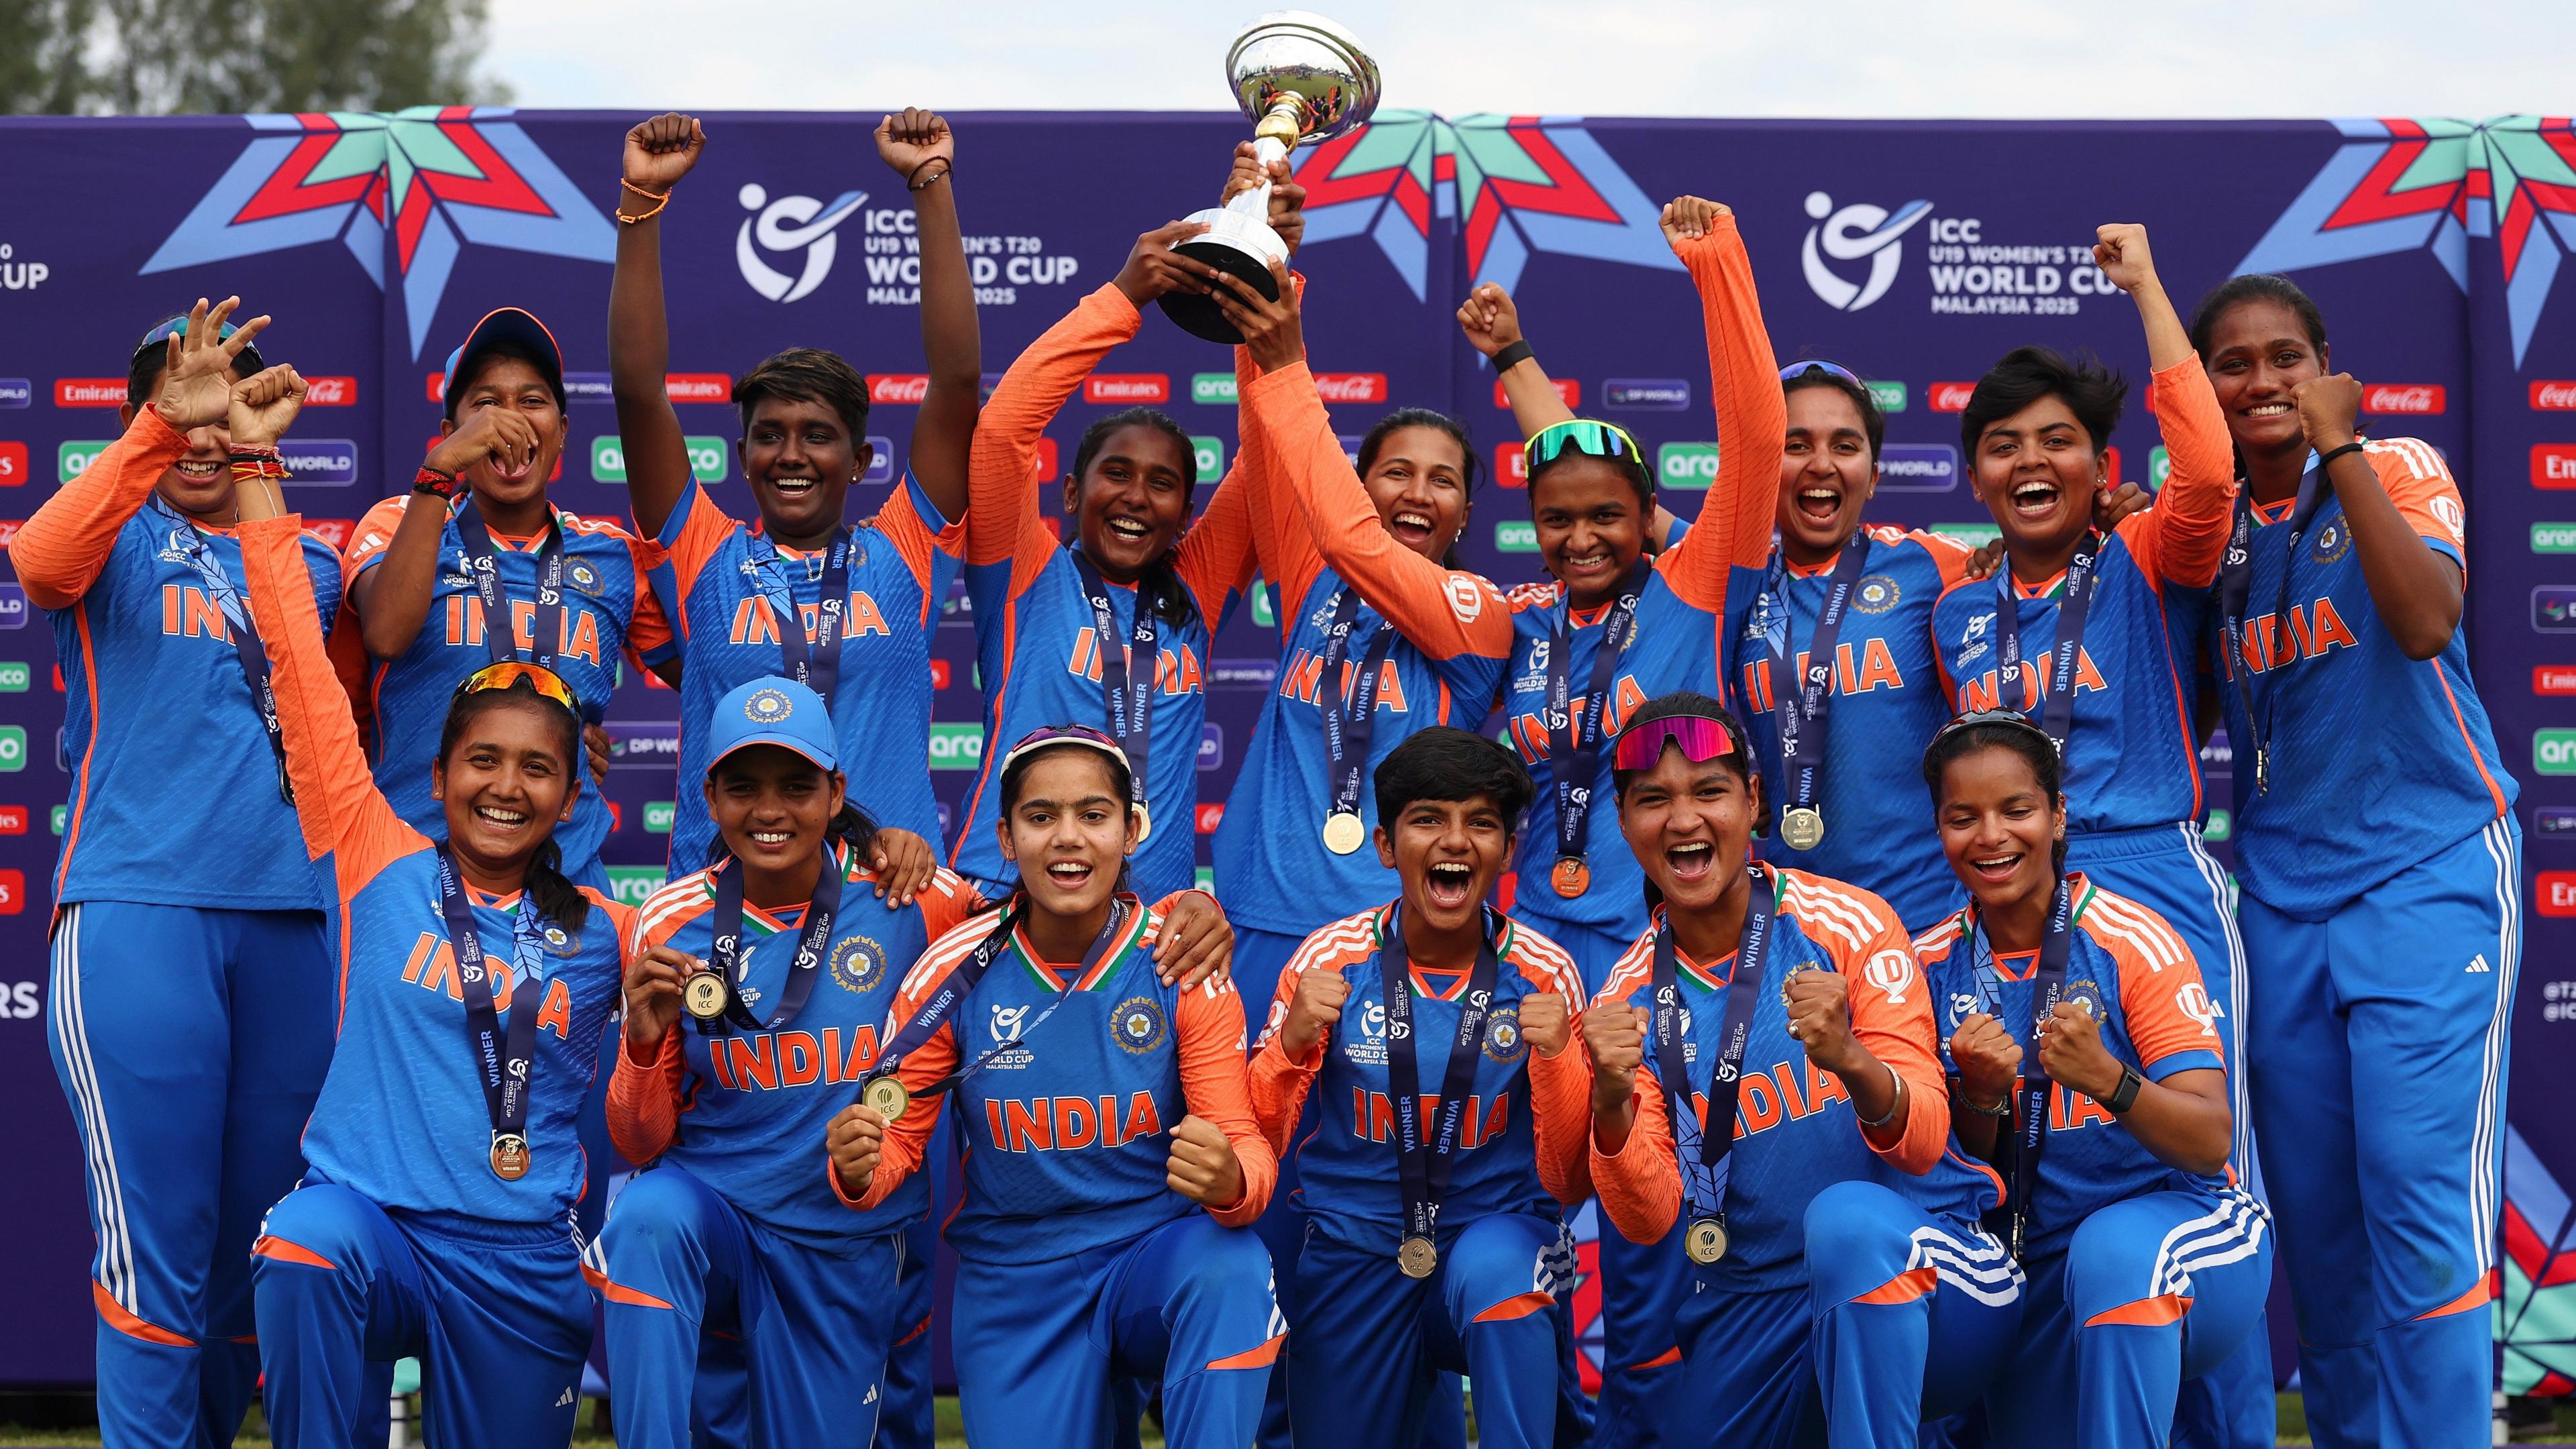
x=1069, y=831
x=1591, y=525
x=1448, y=853
x=800, y=459
x=1688, y=825
x=200, y=484
x=2037, y=471
x=1826, y=474
x=772, y=805
x=1998, y=829
x=507, y=782
x=514, y=383
x=2258, y=352
x=1131, y=501
x=1419, y=483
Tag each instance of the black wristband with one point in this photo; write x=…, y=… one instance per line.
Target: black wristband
x=434, y=480
x=1513, y=356
x=2125, y=1095
x=2329, y=455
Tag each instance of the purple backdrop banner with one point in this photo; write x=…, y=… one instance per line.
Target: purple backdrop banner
x=1912, y=253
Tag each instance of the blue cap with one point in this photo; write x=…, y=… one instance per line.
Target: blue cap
x=773, y=711
x=504, y=324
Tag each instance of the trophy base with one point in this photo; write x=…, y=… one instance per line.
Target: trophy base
x=1234, y=243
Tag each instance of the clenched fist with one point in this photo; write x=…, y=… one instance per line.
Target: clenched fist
x=1203, y=1167
x=1988, y=1059
x=1313, y=1011
x=1545, y=1023
x=855, y=1140
x=1615, y=1036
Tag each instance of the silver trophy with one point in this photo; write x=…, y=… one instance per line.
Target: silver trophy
x=1300, y=78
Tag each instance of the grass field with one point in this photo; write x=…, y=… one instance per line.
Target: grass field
x=255, y=1433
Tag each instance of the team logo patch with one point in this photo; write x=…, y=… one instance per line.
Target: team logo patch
x=2087, y=994
x=2333, y=542
x=1138, y=1025
x=561, y=941
x=584, y=577
x=1892, y=972
x=1877, y=594
x=858, y=964
x=768, y=706
x=1503, y=1035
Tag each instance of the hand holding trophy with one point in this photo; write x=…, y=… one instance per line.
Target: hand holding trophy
x=1300, y=78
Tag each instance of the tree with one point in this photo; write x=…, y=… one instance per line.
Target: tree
x=155, y=57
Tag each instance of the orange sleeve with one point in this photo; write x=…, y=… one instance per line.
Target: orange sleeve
x=915, y=541
x=1752, y=424
x=690, y=536
x=1561, y=1116
x=1208, y=1027
x=2420, y=484
x=1215, y=557
x=2159, y=1002
x=1280, y=545
x=2180, y=539
x=649, y=632
x=644, y=1099
x=63, y=547
x=946, y=903
x=1002, y=519
x=1896, y=1023
x=1278, y=1083
x=907, y=1140
x=373, y=535
x=1641, y=1184
x=1444, y=613
x=336, y=800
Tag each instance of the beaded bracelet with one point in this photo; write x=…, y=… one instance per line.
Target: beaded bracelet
x=660, y=199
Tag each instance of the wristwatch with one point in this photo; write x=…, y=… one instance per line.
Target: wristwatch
x=2125, y=1095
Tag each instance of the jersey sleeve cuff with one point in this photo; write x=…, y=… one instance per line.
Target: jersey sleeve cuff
x=2195, y=1060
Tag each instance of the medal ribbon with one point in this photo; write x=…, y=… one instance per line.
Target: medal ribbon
x=1706, y=1188
x=1350, y=715
x=1423, y=1162
x=2030, y=1127
x=816, y=665
x=811, y=942
x=246, y=642
x=1574, y=737
x=2083, y=578
x=1801, y=715
x=943, y=1003
x=505, y=1063
x=1130, y=705
x=2235, y=584
x=483, y=566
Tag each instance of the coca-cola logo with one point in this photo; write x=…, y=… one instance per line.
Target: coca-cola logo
x=333, y=531
x=9, y=531
x=1209, y=818
x=1351, y=387
x=1127, y=388
x=89, y=392
x=2554, y=396
x=907, y=388
x=2402, y=397
x=1949, y=397
x=330, y=392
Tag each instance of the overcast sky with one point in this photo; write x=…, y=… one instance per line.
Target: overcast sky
x=2007, y=58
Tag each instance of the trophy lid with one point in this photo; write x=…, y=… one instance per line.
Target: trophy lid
x=1296, y=52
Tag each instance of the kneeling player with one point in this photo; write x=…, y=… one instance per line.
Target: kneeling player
x=2148, y=1264
x=1082, y=1257
x=1432, y=1243
x=1841, y=1282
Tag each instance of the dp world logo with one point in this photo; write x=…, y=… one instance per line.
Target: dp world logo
x=789, y=224
x=1857, y=231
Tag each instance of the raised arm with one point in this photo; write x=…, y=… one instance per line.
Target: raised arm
x=64, y=547
x=658, y=153
x=921, y=148
x=2180, y=539
x=1493, y=327
x=1752, y=415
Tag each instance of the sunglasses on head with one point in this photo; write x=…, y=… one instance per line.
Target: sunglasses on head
x=1975, y=717
x=511, y=672
x=1797, y=370
x=1583, y=435
x=1701, y=739
x=156, y=341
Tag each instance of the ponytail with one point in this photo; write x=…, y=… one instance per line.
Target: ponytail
x=552, y=892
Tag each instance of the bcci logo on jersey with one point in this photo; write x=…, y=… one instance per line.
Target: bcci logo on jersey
x=2333, y=542
x=584, y=577
x=1137, y=1025
x=1503, y=1037
x=858, y=964
x=1876, y=595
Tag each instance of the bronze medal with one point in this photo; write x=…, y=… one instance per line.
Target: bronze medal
x=1572, y=877
x=886, y=1097
x=1343, y=832
x=1803, y=828
x=1705, y=1240
x=1417, y=1257
x=509, y=1156
x=704, y=995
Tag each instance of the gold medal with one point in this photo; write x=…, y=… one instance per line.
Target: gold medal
x=704, y=995
x=886, y=1097
x=1803, y=828
x=1417, y=1257
x=1144, y=822
x=1705, y=1240
x=1343, y=832
x=1572, y=877
x=509, y=1156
